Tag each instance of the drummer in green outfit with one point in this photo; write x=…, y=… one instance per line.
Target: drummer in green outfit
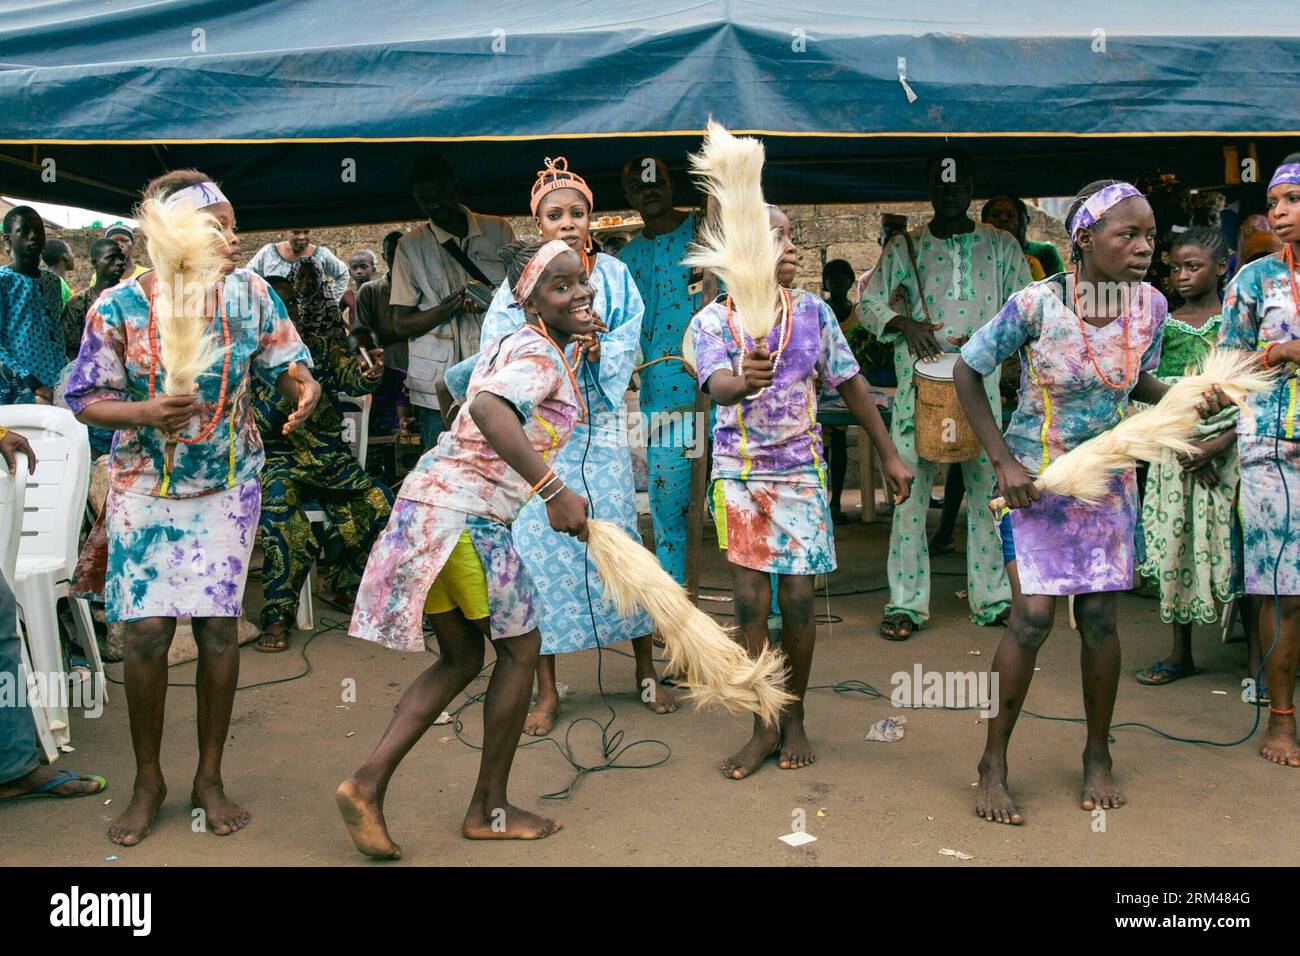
x=956, y=273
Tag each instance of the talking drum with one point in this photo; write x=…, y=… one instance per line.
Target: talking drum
x=942, y=432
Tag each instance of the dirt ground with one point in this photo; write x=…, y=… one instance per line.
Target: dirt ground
x=867, y=803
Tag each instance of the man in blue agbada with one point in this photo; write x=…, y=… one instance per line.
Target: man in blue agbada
x=654, y=257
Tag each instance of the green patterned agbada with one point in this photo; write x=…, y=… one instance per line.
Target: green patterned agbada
x=314, y=465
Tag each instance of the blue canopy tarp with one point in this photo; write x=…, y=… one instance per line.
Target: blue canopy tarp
x=280, y=100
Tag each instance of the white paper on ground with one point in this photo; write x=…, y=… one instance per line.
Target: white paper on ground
x=798, y=838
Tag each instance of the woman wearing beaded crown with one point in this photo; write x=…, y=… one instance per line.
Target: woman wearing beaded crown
x=1262, y=311
x=165, y=361
x=596, y=460
x=1089, y=341
x=769, y=479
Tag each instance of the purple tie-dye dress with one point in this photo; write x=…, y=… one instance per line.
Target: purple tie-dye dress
x=1063, y=546
x=769, y=477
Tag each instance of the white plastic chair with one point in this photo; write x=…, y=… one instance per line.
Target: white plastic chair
x=53, y=507
x=13, y=489
x=356, y=432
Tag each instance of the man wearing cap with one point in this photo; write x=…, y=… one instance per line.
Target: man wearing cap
x=124, y=236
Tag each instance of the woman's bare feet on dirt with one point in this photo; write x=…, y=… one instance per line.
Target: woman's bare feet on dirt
x=1099, y=787
x=796, y=751
x=363, y=815
x=136, y=821
x=222, y=815
x=1280, y=741
x=993, y=800
x=660, y=699
x=507, y=823
x=765, y=742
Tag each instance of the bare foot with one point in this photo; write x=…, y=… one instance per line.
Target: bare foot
x=136, y=821
x=222, y=816
x=662, y=700
x=1280, y=741
x=363, y=815
x=993, y=799
x=1099, y=787
x=507, y=823
x=541, y=719
x=764, y=743
x=796, y=751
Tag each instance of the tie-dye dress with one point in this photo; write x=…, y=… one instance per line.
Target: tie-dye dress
x=1262, y=305
x=769, y=474
x=181, y=518
x=460, y=487
x=596, y=463
x=1063, y=546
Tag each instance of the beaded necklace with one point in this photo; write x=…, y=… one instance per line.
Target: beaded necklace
x=573, y=378
x=1288, y=256
x=783, y=339
x=152, y=333
x=1083, y=331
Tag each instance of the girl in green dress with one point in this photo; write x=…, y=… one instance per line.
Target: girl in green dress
x=1187, y=508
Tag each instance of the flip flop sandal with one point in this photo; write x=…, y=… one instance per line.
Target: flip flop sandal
x=892, y=626
x=279, y=646
x=64, y=776
x=1151, y=677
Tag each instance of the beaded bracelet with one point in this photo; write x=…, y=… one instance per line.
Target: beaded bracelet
x=544, y=480
x=554, y=494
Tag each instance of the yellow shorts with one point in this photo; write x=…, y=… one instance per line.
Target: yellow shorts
x=461, y=584
x=718, y=508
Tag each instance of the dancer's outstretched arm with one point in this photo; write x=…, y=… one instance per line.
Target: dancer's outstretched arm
x=497, y=420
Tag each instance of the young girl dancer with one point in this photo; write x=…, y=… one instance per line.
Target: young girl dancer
x=1262, y=311
x=1187, y=508
x=449, y=538
x=184, y=502
x=1088, y=342
x=769, y=477
x=596, y=460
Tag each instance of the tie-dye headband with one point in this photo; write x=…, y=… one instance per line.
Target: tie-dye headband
x=1096, y=205
x=198, y=196
x=536, y=266
x=1286, y=173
